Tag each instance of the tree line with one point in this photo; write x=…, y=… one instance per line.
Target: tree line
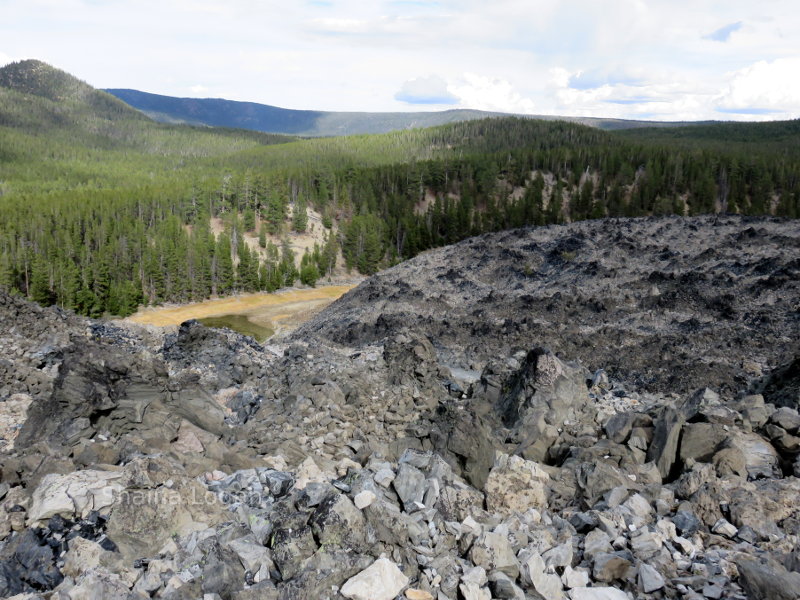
x=98, y=247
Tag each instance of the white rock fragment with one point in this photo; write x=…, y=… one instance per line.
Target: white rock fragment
x=363, y=499
x=470, y=591
x=13, y=413
x=309, y=472
x=598, y=593
x=74, y=494
x=639, y=508
x=384, y=477
x=724, y=527
x=382, y=580
x=534, y=573
x=573, y=578
x=475, y=575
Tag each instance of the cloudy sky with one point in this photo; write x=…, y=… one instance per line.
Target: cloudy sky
x=637, y=59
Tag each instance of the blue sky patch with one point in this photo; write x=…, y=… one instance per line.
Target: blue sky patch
x=425, y=99
x=747, y=111
x=589, y=80
x=426, y=90
x=723, y=34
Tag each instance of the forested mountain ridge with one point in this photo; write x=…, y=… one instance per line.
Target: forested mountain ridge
x=40, y=79
x=770, y=131
x=58, y=132
x=218, y=112
x=778, y=135
x=99, y=214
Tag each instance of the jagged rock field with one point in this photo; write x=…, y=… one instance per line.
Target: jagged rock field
x=600, y=410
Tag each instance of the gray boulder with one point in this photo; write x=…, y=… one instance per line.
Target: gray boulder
x=492, y=551
x=663, y=449
x=768, y=580
x=337, y=522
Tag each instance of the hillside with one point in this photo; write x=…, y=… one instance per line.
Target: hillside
x=58, y=132
x=102, y=212
x=779, y=135
x=217, y=112
x=418, y=439
x=36, y=78
x=262, y=117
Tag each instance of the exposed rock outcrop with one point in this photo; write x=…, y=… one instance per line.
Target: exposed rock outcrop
x=595, y=411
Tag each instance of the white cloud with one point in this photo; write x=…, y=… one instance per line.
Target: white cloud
x=340, y=25
x=670, y=97
x=492, y=94
x=426, y=90
x=765, y=85
x=623, y=58
x=198, y=89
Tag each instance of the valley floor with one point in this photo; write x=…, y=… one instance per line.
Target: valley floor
x=280, y=311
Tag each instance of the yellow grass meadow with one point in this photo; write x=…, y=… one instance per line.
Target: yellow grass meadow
x=280, y=311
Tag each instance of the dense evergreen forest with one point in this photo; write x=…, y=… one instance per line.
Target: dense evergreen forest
x=102, y=209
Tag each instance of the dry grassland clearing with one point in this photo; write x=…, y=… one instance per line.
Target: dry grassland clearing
x=278, y=312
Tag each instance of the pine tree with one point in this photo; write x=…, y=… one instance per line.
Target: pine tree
x=40, y=283
x=300, y=217
x=308, y=270
x=363, y=244
x=275, y=214
x=7, y=276
x=224, y=261
x=287, y=268
x=71, y=286
x=102, y=283
x=249, y=220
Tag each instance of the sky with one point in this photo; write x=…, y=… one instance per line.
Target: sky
x=660, y=60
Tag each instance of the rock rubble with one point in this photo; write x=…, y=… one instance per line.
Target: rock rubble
x=420, y=440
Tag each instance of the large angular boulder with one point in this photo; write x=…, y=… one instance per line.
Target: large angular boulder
x=144, y=519
x=761, y=459
x=337, y=522
x=458, y=501
x=768, y=580
x=410, y=486
x=700, y=441
x=382, y=580
x=74, y=494
x=516, y=485
x=663, y=449
x=535, y=575
x=543, y=386
x=291, y=546
x=223, y=573
x=493, y=552
x=761, y=505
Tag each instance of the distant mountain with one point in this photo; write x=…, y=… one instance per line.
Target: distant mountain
x=730, y=132
x=39, y=79
x=217, y=112
x=263, y=117
x=57, y=131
